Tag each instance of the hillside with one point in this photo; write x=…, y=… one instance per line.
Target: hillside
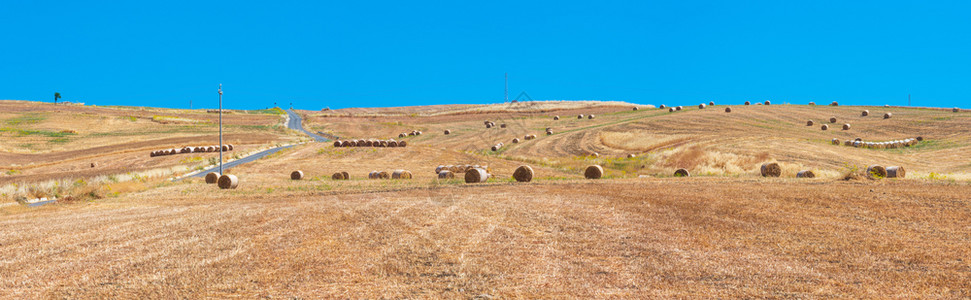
x=130, y=228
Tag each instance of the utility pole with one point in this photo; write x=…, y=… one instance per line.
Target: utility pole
x=220, y=129
x=507, y=87
x=908, y=99
x=190, y=104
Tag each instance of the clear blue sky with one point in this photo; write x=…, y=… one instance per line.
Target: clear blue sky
x=356, y=53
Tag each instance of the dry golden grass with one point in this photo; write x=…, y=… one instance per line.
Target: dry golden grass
x=726, y=232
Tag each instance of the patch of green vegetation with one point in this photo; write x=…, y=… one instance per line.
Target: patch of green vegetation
x=13, y=172
x=191, y=160
x=28, y=132
x=936, y=176
x=26, y=119
x=271, y=111
x=131, y=118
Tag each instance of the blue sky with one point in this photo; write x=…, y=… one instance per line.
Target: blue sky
x=319, y=54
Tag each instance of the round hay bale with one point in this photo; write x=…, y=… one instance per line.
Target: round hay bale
x=523, y=174
x=489, y=125
x=810, y=123
x=846, y=126
x=876, y=172
x=361, y=143
x=631, y=155
x=515, y=140
x=337, y=176
x=401, y=135
x=671, y=109
x=296, y=175
x=556, y=118
x=865, y=113
x=476, y=176
x=372, y=175
x=681, y=173
x=767, y=102
x=439, y=169
x=591, y=117
x=832, y=119
x=503, y=125
x=446, y=174
x=392, y=144
x=224, y=148
x=412, y=133
x=152, y=154
x=593, y=172
x=857, y=144
x=580, y=116
x=383, y=144
x=93, y=165
x=595, y=154
x=231, y=147
x=549, y=132
x=956, y=109
x=212, y=177
x=662, y=106
x=847, y=142
x=369, y=143
x=896, y=172
x=771, y=170
x=403, y=144
x=496, y=148
x=728, y=109
x=836, y=142
x=805, y=174
x=711, y=103
x=228, y=182
x=418, y=132
x=748, y=103
x=887, y=115
x=701, y=106
x=345, y=144
x=401, y=174
x=824, y=127
x=858, y=139
x=920, y=139
x=345, y=175
x=447, y=132
x=834, y=104
x=679, y=107
x=812, y=103
x=635, y=108
x=337, y=143
x=384, y=175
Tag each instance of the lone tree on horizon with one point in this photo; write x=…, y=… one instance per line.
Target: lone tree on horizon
x=56, y=96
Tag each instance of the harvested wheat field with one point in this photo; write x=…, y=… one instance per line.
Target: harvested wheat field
x=136, y=226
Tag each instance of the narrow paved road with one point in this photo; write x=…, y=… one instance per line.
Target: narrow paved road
x=296, y=123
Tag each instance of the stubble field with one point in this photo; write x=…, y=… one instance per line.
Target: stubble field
x=639, y=232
